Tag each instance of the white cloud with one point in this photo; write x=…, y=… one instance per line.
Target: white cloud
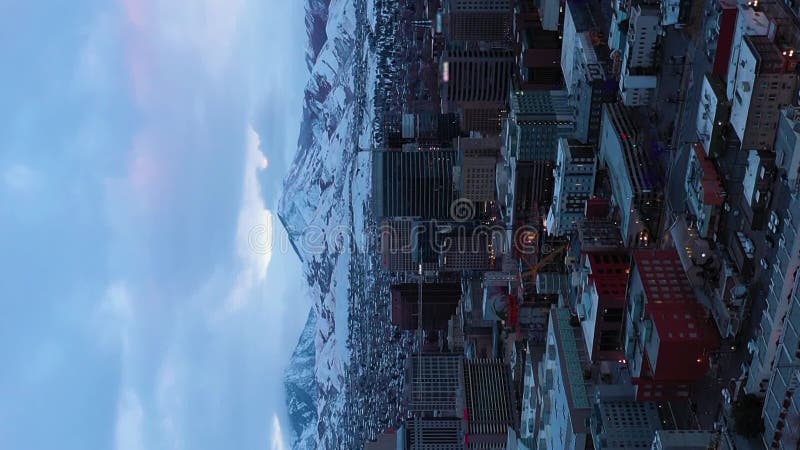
x=21, y=178
x=277, y=434
x=254, y=233
x=129, y=428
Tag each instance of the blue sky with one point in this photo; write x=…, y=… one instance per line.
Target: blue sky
x=142, y=143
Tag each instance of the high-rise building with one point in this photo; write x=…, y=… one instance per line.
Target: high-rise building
x=473, y=21
x=787, y=146
x=782, y=286
x=781, y=407
x=436, y=385
x=475, y=83
x=765, y=82
x=590, y=84
x=713, y=113
x=539, y=49
x=414, y=183
x=749, y=22
x=634, y=180
x=619, y=424
x=728, y=11
x=432, y=433
x=478, y=166
x=564, y=392
x=638, y=80
x=601, y=304
x=574, y=183
x=599, y=234
x=537, y=120
x=489, y=403
x=668, y=338
x=396, y=249
x=439, y=302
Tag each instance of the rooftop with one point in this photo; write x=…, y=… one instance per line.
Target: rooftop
x=663, y=277
x=713, y=191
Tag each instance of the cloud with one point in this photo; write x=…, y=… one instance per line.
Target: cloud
x=129, y=428
x=21, y=178
x=160, y=301
x=277, y=435
x=253, y=232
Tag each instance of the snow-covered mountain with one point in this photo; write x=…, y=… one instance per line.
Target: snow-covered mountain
x=299, y=382
x=322, y=209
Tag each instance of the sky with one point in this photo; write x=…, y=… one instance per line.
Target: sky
x=142, y=146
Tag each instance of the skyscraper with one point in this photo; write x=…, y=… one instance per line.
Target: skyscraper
x=415, y=183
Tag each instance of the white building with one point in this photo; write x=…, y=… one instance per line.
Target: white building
x=787, y=145
x=713, y=113
x=704, y=192
x=565, y=403
x=749, y=22
x=781, y=407
x=765, y=82
x=782, y=287
x=574, y=183
x=638, y=81
x=683, y=440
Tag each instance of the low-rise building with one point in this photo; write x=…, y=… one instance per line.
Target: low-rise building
x=705, y=195
x=619, y=424
x=757, y=183
x=683, y=440
x=713, y=113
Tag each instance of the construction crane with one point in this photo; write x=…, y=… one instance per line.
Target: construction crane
x=533, y=269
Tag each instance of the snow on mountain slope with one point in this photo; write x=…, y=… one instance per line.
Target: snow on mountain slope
x=322, y=205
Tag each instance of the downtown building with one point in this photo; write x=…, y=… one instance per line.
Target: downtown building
x=705, y=194
x=781, y=411
x=475, y=84
x=414, y=182
x=781, y=288
x=668, y=337
x=477, y=168
x=603, y=282
x=435, y=397
x=539, y=57
x=636, y=193
x=713, y=113
x=574, y=175
x=765, y=82
x=564, y=391
x=587, y=68
x=638, y=78
x=536, y=122
x=475, y=21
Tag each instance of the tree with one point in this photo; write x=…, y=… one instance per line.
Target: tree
x=747, y=416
